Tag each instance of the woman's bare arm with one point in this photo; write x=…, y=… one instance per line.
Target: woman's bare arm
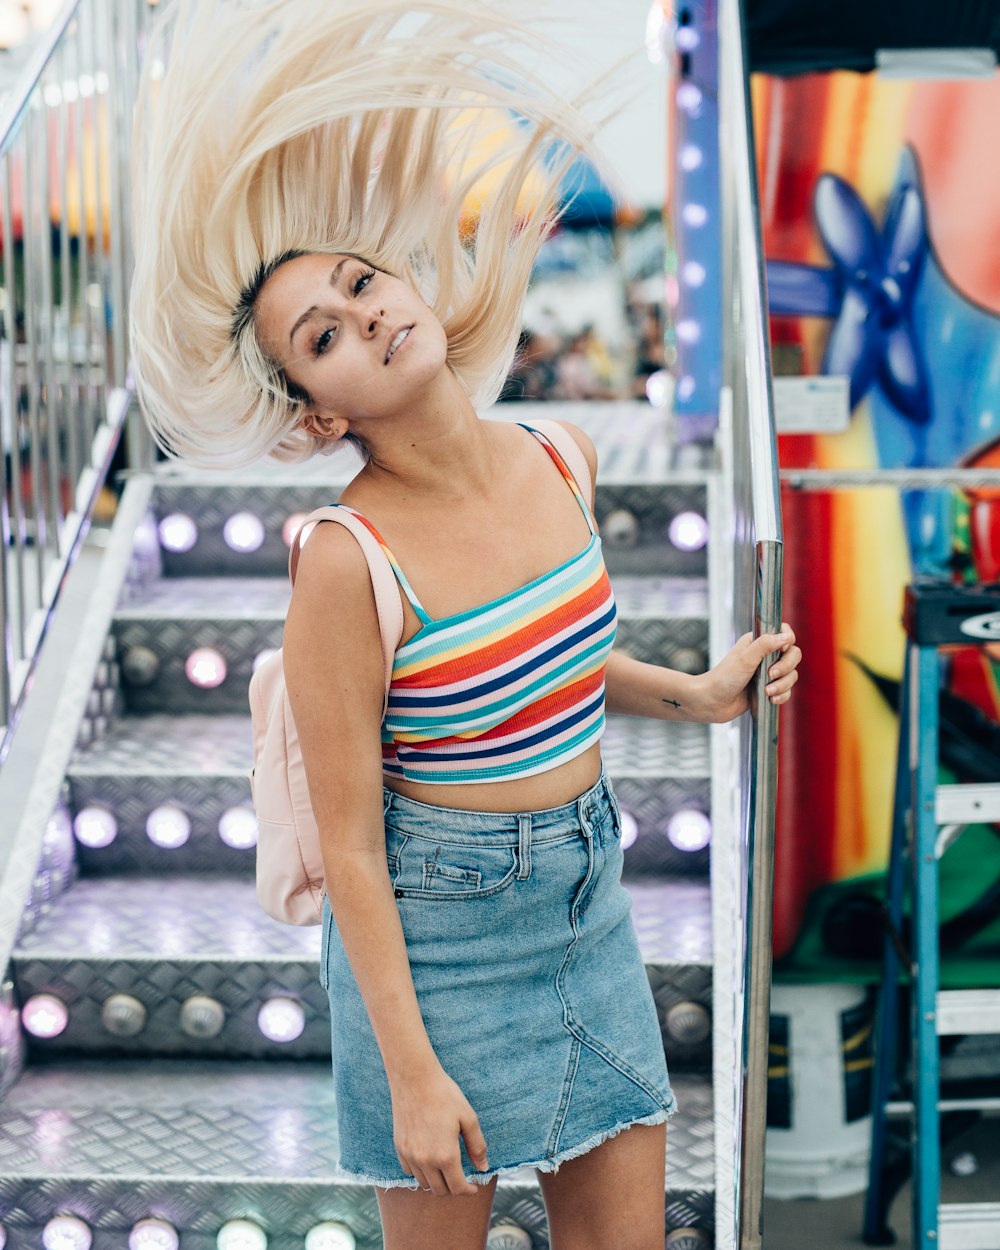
x=335, y=678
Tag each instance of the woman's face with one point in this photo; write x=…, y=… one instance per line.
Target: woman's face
x=333, y=323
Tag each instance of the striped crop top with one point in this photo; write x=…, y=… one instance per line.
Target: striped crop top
x=508, y=689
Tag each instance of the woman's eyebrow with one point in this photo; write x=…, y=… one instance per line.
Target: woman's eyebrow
x=334, y=277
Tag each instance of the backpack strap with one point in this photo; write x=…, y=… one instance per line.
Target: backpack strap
x=387, y=601
x=567, y=446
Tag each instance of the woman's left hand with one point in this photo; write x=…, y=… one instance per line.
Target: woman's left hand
x=727, y=685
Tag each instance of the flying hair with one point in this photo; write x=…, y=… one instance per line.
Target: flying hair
x=264, y=131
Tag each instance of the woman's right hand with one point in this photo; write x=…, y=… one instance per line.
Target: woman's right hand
x=429, y=1113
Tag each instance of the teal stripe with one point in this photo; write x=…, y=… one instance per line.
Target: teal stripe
x=509, y=768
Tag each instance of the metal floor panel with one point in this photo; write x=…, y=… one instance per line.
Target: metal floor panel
x=202, y=1142
x=267, y=598
x=216, y=919
x=202, y=745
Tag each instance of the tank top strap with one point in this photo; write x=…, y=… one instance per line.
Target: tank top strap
x=561, y=464
x=393, y=563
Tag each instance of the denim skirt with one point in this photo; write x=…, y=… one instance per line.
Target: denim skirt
x=529, y=979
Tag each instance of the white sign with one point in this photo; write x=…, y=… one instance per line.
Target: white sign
x=812, y=405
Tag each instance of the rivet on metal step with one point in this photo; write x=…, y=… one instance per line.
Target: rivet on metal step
x=688, y=1023
x=688, y=660
x=140, y=666
x=123, y=1015
x=202, y=1017
x=508, y=1237
x=687, y=1239
x=67, y=1232
x=241, y=1235
x=330, y=1235
x=620, y=528
x=153, y=1234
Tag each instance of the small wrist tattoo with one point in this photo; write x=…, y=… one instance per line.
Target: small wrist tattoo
x=672, y=702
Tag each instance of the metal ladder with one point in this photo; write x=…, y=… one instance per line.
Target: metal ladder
x=927, y=819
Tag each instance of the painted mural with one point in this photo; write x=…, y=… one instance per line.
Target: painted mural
x=880, y=203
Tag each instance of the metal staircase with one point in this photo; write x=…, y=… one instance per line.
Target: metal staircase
x=164, y=1046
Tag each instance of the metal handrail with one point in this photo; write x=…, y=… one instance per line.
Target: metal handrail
x=64, y=387
x=756, y=603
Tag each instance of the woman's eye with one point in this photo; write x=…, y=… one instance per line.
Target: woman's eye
x=362, y=280
x=322, y=343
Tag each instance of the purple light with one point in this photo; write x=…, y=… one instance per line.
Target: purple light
x=689, y=98
x=688, y=531
x=263, y=656
x=693, y=273
x=694, y=214
x=241, y=1235
x=630, y=829
x=688, y=331
x=178, y=532
x=95, y=826
x=153, y=1234
x=689, y=829
x=44, y=1015
x=238, y=828
x=281, y=1019
x=691, y=157
x=330, y=1235
x=206, y=668
x=686, y=39
x=168, y=826
x=244, y=532
x=66, y=1232
x=292, y=526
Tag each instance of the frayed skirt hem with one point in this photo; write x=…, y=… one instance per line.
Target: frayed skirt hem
x=550, y=1164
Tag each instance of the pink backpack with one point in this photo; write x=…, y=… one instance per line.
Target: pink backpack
x=290, y=874
x=289, y=862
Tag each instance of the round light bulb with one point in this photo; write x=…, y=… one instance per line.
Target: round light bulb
x=153, y=1234
x=44, y=1015
x=292, y=526
x=206, y=668
x=689, y=98
x=686, y=39
x=691, y=157
x=659, y=388
x=178, y=532
x=244, y=532
x=330, y=1235
x=95, y=826
x=168, y=826
x=688, y=531
x=694, y=214
x=688, y=331
x=693, y=273
x=241, y=1235
x=66, y=1232
x=281, y=1019
x=238, y=828
x=689, y=829
x=686, y=387
x=630, y=829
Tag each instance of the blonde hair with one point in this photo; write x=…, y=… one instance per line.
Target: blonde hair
x=266, y=130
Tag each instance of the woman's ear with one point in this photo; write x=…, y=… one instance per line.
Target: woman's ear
x=324, y=427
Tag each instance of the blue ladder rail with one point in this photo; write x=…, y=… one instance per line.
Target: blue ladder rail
x=926, y=818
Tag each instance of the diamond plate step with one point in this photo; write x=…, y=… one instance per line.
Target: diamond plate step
x=201, y=764
x=199, y=1143
x=162, y=940
x=662, y=620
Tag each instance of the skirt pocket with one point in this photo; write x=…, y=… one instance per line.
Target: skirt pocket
x=438, y=871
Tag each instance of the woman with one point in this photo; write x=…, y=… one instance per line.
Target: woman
x=301, y=281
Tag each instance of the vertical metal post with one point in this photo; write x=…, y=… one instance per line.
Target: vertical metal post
x=14, y=625
x=31, y=304
x=49, y=405
x=925, y=1140
x=876, y=1231
x=67, y=408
